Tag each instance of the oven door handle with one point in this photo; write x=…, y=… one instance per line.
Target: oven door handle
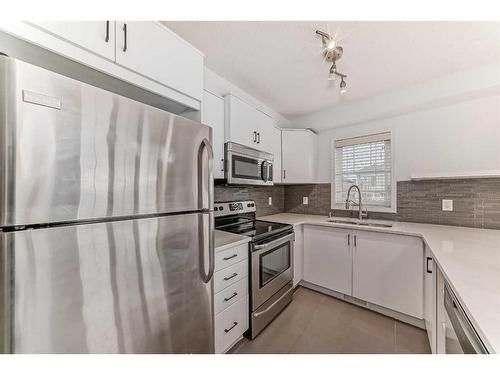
x=279, y=241
x=270, y=306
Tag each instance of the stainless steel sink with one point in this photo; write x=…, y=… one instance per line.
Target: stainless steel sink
x=381, y=225
x=368, y=224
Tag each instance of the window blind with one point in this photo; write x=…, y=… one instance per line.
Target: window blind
x=366, y=162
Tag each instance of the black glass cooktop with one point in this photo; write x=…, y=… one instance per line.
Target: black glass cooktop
x=257, y=228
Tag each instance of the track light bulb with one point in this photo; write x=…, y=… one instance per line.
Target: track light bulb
x=343, y=86
x=331, y=45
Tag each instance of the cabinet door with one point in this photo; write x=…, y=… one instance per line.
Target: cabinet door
x=241, y=122
x=299, y=156
x=154, y=51
x=213, y=116
x=328, y=258
x=388, y=271
x=96, y=36
x=430, y=311
x=298, y=255
x=274, y=137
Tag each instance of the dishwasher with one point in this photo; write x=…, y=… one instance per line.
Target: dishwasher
x=460, y=335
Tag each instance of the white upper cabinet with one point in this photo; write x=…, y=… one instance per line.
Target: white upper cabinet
x=274, y=136
x=247, y=125
x=95, y=36
x=154, y=59
x=298, y=156
x=154, y=51
x=388, y=271
x=213, y=116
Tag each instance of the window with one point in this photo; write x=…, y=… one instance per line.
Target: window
x=366, y=162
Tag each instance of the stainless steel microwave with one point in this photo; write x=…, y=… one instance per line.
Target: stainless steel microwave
x=247, y=166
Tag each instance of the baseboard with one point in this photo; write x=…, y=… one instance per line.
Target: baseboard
x=419, y=323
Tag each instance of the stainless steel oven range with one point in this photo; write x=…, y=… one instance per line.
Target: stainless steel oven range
x=271, y=260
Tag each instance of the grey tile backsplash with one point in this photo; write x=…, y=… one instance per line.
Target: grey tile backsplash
x=476, y=202
x=260, y=194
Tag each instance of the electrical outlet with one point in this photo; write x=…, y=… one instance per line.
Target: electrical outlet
x=305, y=200
x=447, y=205
x=270, y=201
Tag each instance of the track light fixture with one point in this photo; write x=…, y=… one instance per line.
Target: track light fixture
x=333, y=52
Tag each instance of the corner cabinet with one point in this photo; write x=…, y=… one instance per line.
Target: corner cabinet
x=143, y=53
x=299, y=147
x=387, y=271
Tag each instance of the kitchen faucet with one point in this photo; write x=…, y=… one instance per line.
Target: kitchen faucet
x=348, y=202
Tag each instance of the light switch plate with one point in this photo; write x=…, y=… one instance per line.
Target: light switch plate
x=447, y=204
x=305, y=200
x=270, y=201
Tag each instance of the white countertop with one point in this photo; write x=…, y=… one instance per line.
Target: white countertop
x=225, y=240
x=468, y=257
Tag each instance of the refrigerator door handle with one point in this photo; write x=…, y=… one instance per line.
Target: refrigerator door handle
x=205, y=144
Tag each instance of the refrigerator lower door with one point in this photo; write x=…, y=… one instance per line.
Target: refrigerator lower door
x=71, y=151
x=132, y=286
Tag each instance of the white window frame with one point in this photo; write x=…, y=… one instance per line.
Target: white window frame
x=339, y=206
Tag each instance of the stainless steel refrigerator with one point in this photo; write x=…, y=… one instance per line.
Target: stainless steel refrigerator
x=106, y=222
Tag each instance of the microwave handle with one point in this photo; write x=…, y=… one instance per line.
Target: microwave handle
x=264, y=171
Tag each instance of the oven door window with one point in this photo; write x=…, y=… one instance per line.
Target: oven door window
x=273, y=263
x=248, y=168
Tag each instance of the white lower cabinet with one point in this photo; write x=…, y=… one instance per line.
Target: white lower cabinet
x=298, y=255
x=328, y=258
x=430, y=308
x=231, y=305
x=230, y=325
x=380, y=268
x=387, y=271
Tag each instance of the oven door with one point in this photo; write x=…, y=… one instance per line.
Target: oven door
x=248, y=170
x=272, y=268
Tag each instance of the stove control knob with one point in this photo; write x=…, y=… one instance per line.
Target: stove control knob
x=216, y=208
x=249, y=205
x=221, y=208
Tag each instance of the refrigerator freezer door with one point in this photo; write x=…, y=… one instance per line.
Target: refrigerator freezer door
x=131, y=286
x=70, y=151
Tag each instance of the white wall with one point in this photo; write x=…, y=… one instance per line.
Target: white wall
x=464, y=136
x=221, y=87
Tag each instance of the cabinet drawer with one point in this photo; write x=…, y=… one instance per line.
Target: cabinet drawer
x=230, y=295
x=231, y=324
x=230, y=275
x=231, y=256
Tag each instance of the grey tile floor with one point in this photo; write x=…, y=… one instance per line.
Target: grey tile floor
x=316, y=323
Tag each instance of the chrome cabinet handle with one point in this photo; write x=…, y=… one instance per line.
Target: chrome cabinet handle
x=348, y=240
x=284, y=174
x=427, y=265
x=255, y=136
x=125, y=37
x=106, y=39
x=258, y=137
x=230, y=277
x=230, y=298
x=231, y=257
x=355, y=241
x=228, y=329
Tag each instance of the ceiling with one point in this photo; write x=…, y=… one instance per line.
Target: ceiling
x=281, y=63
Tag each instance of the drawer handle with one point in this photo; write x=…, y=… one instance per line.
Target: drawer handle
x=231, y=257
x=228, y=329
x=429, y=270
x=230, y=277
x=230, y=298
